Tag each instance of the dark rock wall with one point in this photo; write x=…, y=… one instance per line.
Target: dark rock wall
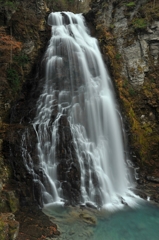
x=23, y=38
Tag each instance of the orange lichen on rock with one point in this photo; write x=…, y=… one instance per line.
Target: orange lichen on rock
x=7, y=41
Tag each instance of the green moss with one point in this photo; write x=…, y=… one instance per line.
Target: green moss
x=12, y=201
x=118, y=56
x=13, y=78
x=130, y=4
x=147, y=128
x=11, y=5
x=2, y=230
x=139, y=23
x=132, y=91
x=125, y=84
x=1, y=226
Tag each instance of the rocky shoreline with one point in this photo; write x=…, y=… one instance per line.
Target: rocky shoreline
x=148, y=190
x=35, y=225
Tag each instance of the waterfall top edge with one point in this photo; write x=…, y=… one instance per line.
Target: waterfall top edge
x=63, y=17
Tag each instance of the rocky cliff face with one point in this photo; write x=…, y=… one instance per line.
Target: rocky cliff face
x=24, y=34
x=136, y=36
x=129, y=38
x=23, y=37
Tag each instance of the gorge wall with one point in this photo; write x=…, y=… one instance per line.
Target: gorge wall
x=128, y=32
x=22, y=40
x=24, y=34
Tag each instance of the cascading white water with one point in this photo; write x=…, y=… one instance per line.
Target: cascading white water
x=85, y=97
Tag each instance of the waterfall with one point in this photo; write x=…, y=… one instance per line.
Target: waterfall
x=79, y=136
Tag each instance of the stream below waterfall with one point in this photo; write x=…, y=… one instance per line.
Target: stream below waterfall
x=139, y=223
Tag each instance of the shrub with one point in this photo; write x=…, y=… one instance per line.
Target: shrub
x=11, y=5
x=118, y=56
x=132, y=91
x=21, y=59
x=13, y=78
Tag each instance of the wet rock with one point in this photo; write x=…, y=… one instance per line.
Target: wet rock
x=152, y=179
x=88, y=218
x=91, y=205
x=140, y=193
x=124, y=202
x=68, y=167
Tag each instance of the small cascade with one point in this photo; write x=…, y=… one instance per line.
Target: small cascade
x=78, y=130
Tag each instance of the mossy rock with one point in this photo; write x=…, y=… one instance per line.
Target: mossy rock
x=13, y=229
x=9, y=228
x=13, y=202
x=3, y=230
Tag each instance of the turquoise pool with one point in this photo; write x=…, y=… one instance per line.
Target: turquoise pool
x=139, y=223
